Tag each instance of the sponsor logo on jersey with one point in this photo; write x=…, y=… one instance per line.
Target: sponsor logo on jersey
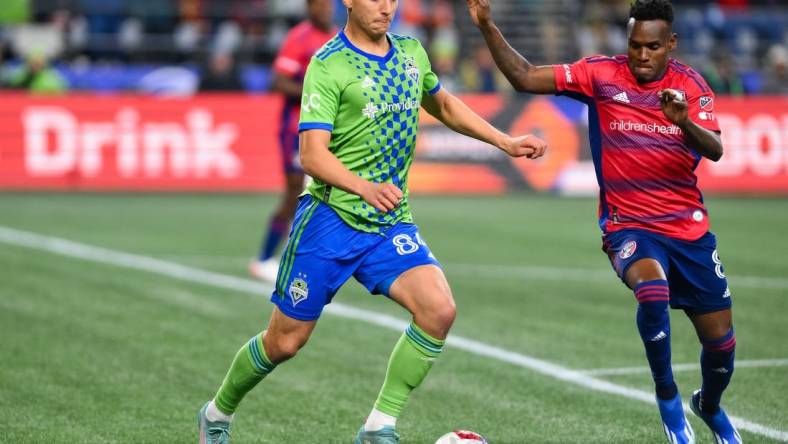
x=703, y=115
x=727, y=293
x=697, y=215
x=299, y=290
x=628, y=250
x=310, y=102
x=628, y=125
x=706, y=103
x=411, y=69
x=371, y=110
x=621, y=97
x=368, y=82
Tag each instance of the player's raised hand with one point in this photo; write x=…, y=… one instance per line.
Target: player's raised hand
x=383, y=196
x=480, y=12
x=674, y=105
x=528, y=145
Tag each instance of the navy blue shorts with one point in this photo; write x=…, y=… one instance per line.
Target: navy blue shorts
x=288, y=143
x=696, y=277
x=323, y=252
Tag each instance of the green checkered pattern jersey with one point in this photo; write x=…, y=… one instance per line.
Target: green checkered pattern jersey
x=370, y=104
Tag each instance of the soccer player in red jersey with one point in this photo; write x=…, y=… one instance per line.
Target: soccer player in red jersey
x=289, y=69
x=651, y=121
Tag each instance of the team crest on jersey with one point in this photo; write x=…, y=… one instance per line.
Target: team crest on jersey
x=706, y=103
x=299, y=290
x=411, y=69
x=628, y=250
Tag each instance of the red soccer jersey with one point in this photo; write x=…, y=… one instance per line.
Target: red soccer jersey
x=644, y=165
x=300, y=44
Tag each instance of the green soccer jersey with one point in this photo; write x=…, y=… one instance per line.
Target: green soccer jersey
x=371, y=106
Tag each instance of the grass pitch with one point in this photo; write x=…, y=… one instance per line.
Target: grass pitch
x=99, y=353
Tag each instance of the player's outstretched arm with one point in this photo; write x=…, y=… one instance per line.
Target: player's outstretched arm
x=675, y=107
x=523, y=76
x=319, y=162
x=455, y=114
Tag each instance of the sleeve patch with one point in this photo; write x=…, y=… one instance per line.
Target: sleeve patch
x=706, y=103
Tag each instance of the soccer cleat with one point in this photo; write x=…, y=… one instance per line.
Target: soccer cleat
x=212, y=432
x=674, y=422
x=724, y=432
x=266, y=270
x=386, y=435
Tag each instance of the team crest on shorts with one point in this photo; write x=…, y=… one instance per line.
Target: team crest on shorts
x=411, y=69
x=628, y=250
x=299, y=290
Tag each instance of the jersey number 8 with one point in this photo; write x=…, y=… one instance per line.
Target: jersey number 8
x=405, y=244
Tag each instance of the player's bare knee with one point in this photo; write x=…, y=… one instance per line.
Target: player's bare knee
x=438, y=319
x=713, y=326
x=286, y=348
x=282, y=347
x=446, y=316
x=714, y=332
x=644, y=270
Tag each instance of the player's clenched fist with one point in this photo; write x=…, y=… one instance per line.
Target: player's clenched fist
x=383, y=196
x=480, y=11
x=528, y=145
x=674, y=105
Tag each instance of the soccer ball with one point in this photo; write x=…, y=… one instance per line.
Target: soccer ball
x=461, y=437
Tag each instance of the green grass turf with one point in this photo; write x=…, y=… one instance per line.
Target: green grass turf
x=98, y=353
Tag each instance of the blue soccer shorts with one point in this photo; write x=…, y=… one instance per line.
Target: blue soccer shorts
x=696, y=277
x=288, y=144
x=323, y=252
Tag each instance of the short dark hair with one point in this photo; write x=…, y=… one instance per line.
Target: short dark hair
x=652, y=10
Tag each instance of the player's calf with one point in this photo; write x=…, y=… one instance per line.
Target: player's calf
x=716, y=363
x=653, y=323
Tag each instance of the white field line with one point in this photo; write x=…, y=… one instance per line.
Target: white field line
x=682, y=367
x=585, y=275
x=143, y=263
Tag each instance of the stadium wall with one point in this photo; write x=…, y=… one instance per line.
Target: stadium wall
x=230, y=143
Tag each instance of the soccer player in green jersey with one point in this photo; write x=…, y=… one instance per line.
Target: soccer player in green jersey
x=358, y=126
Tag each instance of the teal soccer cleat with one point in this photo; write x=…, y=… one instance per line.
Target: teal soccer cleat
x=212, y=432
x=724, y=432
x=386, y=435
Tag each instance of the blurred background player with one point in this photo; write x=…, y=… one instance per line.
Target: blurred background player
x=221, y=74
x=37, y=76
x=651, y=121
x=289, y=70
x=358, y=128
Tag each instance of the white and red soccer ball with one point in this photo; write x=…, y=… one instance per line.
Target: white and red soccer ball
x=461, y=437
